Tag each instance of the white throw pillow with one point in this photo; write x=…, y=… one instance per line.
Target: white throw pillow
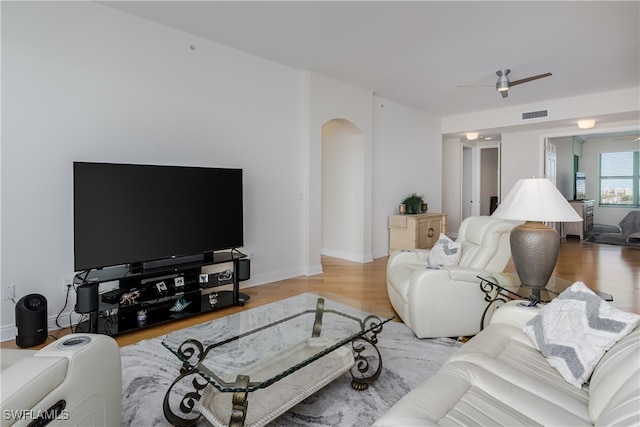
x=445, y=251
x=576, y=329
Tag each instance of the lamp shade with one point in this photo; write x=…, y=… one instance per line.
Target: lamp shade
x=536, y=199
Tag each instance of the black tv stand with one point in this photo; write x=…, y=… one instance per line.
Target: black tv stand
x=163, y=294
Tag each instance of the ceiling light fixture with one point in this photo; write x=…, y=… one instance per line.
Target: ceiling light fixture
x=586, y=124
x=503, y=81
x=471, y=136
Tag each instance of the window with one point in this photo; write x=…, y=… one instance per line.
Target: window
x=619, y=178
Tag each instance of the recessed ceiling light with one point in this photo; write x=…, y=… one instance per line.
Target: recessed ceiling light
x=586, y=124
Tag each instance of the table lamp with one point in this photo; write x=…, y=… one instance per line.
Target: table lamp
x=534, y=245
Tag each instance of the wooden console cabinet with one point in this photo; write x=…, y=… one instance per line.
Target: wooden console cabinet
x=419, y=231
x=584, y=228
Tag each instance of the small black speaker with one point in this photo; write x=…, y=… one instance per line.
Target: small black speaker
x=244, y=269
x=87, y=298
x=31, y=320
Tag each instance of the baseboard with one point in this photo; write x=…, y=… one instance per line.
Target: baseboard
x=361, y=258
x=262, y=279
x=383, y=254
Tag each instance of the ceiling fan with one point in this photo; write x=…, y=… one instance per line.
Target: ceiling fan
x=503, y=84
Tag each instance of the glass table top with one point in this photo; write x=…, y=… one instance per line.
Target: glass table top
x=510, y=283
x=269, y=342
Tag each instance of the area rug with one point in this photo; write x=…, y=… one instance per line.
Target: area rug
x=148, y=369
x=616, y=239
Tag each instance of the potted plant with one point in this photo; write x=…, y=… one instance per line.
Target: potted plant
x=413, y=203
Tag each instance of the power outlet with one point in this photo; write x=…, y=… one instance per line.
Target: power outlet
x=67, y=282
x=8, y=292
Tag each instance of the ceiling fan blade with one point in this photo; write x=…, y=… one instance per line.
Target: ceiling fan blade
x=474, y=86
x=626, y=138
x=528, y=79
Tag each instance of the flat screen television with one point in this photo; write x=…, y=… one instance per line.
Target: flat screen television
x=139, y=215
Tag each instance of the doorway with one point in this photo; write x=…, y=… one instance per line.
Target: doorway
x=343, y=190
x=480, y=179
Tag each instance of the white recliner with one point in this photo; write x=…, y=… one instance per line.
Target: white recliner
x=74, y=381
x=447, y=301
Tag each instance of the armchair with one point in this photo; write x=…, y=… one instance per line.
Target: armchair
x=447, y=301
x=74, y=381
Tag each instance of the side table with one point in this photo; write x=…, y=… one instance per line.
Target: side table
x=502, y=287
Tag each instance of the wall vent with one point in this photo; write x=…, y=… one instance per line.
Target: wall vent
x=535, y=115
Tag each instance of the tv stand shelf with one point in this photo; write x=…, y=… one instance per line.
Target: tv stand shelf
x=150, y=298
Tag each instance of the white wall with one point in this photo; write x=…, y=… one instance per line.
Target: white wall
x=522, y=157
x=86, y=82
x=452, y=183
x=407, y=158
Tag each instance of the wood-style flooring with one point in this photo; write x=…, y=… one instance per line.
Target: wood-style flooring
x=611, y=269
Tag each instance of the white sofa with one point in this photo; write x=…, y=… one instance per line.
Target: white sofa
x=499, y=378
x=79, y=374
x=448, y=302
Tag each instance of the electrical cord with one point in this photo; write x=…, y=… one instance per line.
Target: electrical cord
x=66, y=301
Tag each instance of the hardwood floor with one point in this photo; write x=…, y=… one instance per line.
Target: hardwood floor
x=611, y=269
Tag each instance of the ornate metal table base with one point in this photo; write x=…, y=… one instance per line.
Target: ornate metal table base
x=365, y=371
x=239, y=400
x=488, y=289
x=188, y=402
x=501, y=294
x=362, y=373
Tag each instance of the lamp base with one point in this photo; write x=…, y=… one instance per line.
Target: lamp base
x=534, y=249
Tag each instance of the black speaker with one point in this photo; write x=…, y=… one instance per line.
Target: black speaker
x=31, y=320
x=87, y=298
x=244, y=269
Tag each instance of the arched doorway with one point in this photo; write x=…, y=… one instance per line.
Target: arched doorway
x=343, y=190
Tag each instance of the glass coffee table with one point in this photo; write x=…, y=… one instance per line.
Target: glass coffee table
x=250, y=367
x=501, y=287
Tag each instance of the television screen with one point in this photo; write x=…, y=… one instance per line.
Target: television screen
x=128, y=214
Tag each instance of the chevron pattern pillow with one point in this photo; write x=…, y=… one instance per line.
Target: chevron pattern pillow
x=445, y=251
x=576, y=329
